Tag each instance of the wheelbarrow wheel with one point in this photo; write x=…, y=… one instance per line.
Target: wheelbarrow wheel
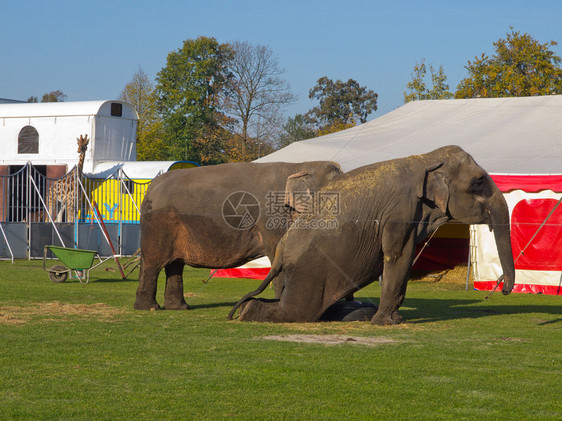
x=58, y=274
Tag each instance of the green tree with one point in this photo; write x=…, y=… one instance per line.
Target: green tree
x=417, y=87
x=521, y=66
x=341, y=103
x=440, y=88
x=140, y=93
x=296, y=128
x=54, y=96
x=190, y=90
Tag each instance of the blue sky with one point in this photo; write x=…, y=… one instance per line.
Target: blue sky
x=91, y=49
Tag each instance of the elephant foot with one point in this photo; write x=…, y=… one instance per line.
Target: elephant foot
x=176, y=305
x=146, y=305
x=397, y=317
x=245, y=311
x=259, y=310
x=384, y=319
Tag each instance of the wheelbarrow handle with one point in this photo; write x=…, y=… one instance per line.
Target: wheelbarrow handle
x=45, y=250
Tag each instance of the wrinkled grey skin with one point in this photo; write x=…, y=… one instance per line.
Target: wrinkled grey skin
x=182, y=220
x=386, y=209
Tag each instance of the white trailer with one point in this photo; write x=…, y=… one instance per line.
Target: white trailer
x=45, y=133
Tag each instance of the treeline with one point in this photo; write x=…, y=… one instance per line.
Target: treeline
x=520, y=66
x=214, y=102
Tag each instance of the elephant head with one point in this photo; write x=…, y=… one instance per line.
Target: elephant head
x=462, y=191
x=301, y=187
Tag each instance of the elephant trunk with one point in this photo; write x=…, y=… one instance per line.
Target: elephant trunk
x=499, y=214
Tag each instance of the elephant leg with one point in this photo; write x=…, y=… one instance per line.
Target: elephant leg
x=391, y=297
x=395, y=281
x=146, y=291
x=173, y=294
x=293, y=306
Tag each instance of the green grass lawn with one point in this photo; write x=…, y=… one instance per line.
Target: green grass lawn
x=80, y=351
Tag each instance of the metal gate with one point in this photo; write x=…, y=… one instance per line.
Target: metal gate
x=36, y=210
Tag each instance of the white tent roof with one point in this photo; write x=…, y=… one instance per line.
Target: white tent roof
x=504, y=135
x=64, y=109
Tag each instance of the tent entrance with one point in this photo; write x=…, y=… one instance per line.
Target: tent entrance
x=446, y=249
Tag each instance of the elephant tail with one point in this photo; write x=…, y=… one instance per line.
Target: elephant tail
x=249, y=295
x=273, y=272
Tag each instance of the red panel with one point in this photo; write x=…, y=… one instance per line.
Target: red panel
x=250, y=273
x=544, y=251
x=440, y=254
x=56, y=171
x=524, y=288
x=528, y=183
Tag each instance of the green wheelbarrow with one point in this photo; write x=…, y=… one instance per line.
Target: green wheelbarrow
x=77, y=260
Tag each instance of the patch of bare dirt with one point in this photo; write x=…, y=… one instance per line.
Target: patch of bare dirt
x=507, y=339
x=9, y=319
x=332, y=339
x=14, y=315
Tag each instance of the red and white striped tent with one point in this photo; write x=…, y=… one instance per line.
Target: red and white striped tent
x=517, y=140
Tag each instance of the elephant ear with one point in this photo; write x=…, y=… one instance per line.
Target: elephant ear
x=298, y=196
x=434, y=188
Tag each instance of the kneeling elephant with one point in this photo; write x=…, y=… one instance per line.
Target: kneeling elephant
x=385, y=209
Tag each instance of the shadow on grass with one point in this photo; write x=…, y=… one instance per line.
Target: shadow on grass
x=95, y=280
x=228, y=305
x=549, y=322
x=112, y=280
x=424, y=310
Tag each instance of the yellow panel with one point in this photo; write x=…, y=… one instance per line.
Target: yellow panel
x=114, y=201
x=181, y=165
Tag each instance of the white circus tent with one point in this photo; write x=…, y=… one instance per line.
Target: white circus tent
x=517, y=140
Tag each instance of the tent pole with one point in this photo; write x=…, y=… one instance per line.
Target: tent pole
x=100, y=219
x=7, y=243
x=97, y=215
x=94, y=213
x=27, y=218
x=468, y=265
x=538, y=229
x=130, y=195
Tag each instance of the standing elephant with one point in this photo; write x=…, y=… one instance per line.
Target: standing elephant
x=385, y=210
x=219, y=216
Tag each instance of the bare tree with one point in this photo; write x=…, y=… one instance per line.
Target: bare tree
x=257, y=93
x=139, y=92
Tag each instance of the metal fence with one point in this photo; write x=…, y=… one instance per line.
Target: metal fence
x=36, y=210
